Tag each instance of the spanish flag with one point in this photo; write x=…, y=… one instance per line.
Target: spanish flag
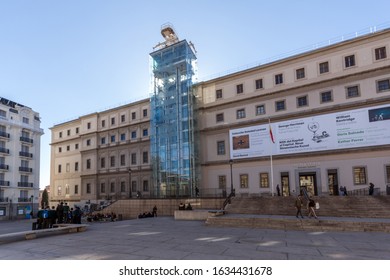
x=271, y=134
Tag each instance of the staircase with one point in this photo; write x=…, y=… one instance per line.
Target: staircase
x=336, y=213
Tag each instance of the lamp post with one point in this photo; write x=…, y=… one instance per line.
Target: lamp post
x=32, y=206
x=130, y=182
x=231, y=176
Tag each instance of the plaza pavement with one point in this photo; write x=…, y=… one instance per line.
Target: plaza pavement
x=164, y=238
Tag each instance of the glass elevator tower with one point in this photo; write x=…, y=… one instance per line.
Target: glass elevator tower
x=173, y=122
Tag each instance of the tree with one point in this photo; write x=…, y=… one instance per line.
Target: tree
x=45, y=199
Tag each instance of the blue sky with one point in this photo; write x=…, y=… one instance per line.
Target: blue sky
x=69, y=58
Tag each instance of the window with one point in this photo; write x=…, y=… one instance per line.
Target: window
x=89, y=125
x=244, y=181
x=26, y=120
x=88, y=164
x=280, y=105
x=383, y=85
x=240, y=114
x=145, y=112
x=380, y=53
x=302, y=101
x=264, y=180
x=145, y=157
x=219, y=117
x=103, y=140
x=133, y=134
x=352, y=91
x=133, y=158
x=123, y=136
x=68, y=148
x=260, y=109
x=326, y=96
x=145, y=186
x=359, y=175
x=76, y=189
x=60, y=149
x=123, y=186
x=222, y=182
x=123, y=118
x=133, y=186
x=103, y=123
x=218, y=94
x=88, y=142
x=68, y=132
x=60, y=135
x=112, y=187
x=76, y=146
x=112, y=161
x=103, y=163
x=123, y=160
x=3, y=114
x=221, y=148
x=145, y=132
x=102, y=187
x=349, y=61
x=324, y=67
x=77, y=130
x=278, y=79
x=300, y=73
x=88, y=188
x=387, y=174
x=112, y=121
x=112, y=138
x=59, y=168
x=240, y=88
x=259, y=83
x=133, y=116
x=76, y=166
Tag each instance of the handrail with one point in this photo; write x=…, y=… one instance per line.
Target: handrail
x=228, y=200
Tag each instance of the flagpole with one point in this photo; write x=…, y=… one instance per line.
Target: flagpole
x=272, y=166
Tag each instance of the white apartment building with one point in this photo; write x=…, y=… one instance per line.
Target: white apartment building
x=20, y=135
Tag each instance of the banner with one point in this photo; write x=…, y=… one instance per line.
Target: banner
x=343, y=130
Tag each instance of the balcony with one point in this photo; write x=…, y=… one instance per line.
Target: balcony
x=4, y=150
x=25, y=169
x=3, y=199
x=26, y=140
x=4, y=167
x=26, y=154
x=4, y=134
x=4, y=183
x=25, y=184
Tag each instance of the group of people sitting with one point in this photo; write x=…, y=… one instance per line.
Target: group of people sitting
x=182, y=206
x=100, y=217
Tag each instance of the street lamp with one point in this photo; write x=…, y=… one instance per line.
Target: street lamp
x=129, y=182
x=32, y=206
x=231, y=176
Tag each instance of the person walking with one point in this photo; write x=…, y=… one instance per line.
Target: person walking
x=371, y=189
x=298, y=205
x=278, y=189
x=155, y=211
x=311, y=206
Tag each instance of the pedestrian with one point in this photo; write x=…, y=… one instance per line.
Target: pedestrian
x=278, y=189
x=60, y=213
x=371, y=189
x=345, y=191
x=311, y=205
x=298, y=205
x=155, y=211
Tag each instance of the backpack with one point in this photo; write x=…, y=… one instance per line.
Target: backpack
x=45, y=214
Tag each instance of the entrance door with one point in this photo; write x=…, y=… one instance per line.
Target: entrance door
x=333, y=182
x=308, y=181
x=285, y=183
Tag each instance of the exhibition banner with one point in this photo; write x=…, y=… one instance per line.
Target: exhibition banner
x=343, y=130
